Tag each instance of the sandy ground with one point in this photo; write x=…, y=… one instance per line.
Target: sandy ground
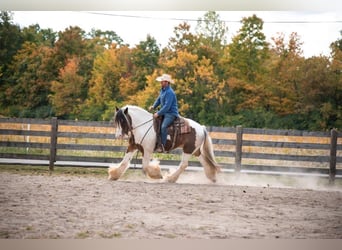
x=45, y=207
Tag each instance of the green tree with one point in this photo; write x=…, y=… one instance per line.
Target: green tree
x=212, y=31
x=145, y=58
x=246, y=72
x=332, y=113
x=35, y=34
x=105, y=38
x=26, y=90
x=321, y=94
x=27, y=96
x=248, y=50
x=10, y=41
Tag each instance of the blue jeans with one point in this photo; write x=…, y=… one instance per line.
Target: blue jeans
x=168, y=119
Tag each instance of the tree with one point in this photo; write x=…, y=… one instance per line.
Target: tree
x=246, y=72
x=105, y=38
x=35, y=34
x=212, y=39
x=209, y=94
x=146, y=97
x=27, y=96
x=195, y=85
x=145, y=58
x=110, y=80
x=285, y=75
x=212, y=31
x=66, y=94
x=248, y=50
x=71, y=43
x=10, y=39
x=183, y=39
x=10, y=42
x=106, y=74
x=26, y=81
x=332, y=112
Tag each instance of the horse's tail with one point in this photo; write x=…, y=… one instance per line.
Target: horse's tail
x=207, y=153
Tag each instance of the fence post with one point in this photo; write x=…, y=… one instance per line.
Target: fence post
x=53, y=142
x=333, y=148
x=238, y=148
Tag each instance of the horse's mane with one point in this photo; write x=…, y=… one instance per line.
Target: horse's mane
x=121, y=120
x=125, y=120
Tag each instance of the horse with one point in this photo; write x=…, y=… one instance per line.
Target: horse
x=137, y=124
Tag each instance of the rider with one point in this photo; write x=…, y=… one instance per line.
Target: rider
x=169, y=108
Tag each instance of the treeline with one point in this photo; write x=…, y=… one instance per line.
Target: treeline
x=78, y=75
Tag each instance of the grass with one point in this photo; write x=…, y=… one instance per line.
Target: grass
x=44, y=170
x=68, y=171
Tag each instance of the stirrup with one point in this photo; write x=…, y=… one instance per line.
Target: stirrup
x=160, y=149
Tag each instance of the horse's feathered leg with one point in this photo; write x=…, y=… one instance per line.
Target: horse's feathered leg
x=182, y=166
x=116, y=172
x=152, y=169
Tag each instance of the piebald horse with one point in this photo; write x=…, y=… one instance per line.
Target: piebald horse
x=137, y=124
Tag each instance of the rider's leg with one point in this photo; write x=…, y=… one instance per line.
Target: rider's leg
x=168, y=119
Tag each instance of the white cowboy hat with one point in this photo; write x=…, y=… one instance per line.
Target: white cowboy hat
x=165, y=77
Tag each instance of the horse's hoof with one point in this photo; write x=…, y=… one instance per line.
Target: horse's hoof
x=114, y=173
x=153, y=170
x=156, y=176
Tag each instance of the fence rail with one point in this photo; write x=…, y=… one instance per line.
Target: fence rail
x=236, y=148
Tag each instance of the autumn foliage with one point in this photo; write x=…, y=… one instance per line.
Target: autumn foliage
x=249, y=81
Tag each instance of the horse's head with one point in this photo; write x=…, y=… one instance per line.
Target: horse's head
x=122, y=122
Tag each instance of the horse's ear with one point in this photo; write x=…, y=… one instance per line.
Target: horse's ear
x=116, y=109
x=126, y=111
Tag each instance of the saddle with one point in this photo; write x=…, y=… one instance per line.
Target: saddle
x=178, y=127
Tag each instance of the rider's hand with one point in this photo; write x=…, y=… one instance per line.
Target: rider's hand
x=150, y=108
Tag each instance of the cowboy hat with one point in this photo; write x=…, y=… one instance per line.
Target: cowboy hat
x=165, y=77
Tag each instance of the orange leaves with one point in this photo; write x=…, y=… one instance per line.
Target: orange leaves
x=66, y=92
x=182, y=63
x=108, y=71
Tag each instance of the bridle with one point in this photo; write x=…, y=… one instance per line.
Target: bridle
x=130, y=134
x=128, y=120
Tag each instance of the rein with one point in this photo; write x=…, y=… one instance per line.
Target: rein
x=142, y=125
x=136, y=156
x=130, y=127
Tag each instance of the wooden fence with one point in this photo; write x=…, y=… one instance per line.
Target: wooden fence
x=237, y=149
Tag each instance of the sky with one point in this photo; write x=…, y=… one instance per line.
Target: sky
x=316, y=29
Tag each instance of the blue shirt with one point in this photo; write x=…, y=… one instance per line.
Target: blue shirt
x=168, y=100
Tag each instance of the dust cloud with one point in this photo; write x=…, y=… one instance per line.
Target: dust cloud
x=281, y=180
